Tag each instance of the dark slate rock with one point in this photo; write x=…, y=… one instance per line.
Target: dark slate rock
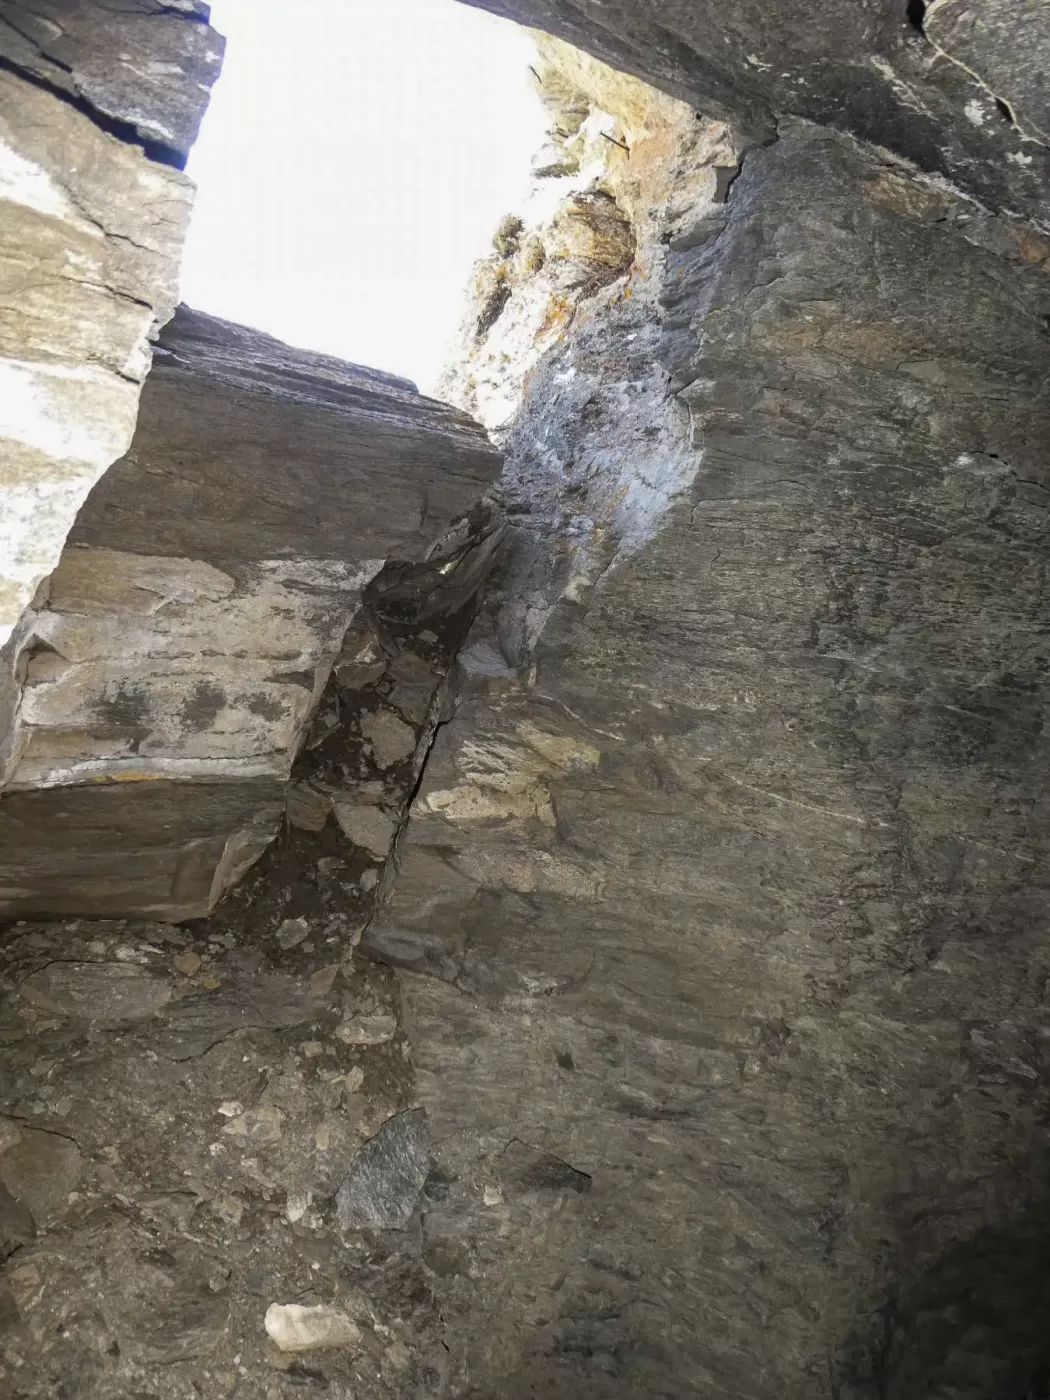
x=1004, y=44
x=387, y=1175
x=111, y=848
x=294, y=474
x=249, y=449
x=871, y=71
x=142, y=68
x=778, y=963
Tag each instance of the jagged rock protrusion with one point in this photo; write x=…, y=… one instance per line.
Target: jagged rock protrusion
x=91, y=233
x=164, y=683
x=141, y=70
x=868, y=71
x=726, y=887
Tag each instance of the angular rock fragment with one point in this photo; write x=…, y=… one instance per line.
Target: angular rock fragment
x=106, y=993
x=293, y=1327
x=292, y=932
x=38, y=1169
x=391, y=738
x=387, y=1175
x=375, y=1029
x=524, y=1169
x=306, y=808
x=367, y=827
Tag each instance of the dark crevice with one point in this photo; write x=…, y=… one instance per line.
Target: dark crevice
x=171, y=11
x=1004, y=110
x=916, y=13
x=493, y=309
x=112, y=126
x=725, y=177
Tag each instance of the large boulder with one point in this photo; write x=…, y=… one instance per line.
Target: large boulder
x=140, y=68
x=161, y=687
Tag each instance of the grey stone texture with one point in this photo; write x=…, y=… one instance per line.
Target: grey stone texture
x=869, y=68
x=142, y=69
x=1003, y=44
x=99, y=105
x=734, y=897
x=173, y=666
x=91, y=233
x=385, y=1178
x=700, y=1044
x=176, y=1117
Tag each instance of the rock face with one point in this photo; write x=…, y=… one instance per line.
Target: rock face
x=724, y=887
x=97, y=103
x=141, y=68
x=953, y=86
x=700, y=1048
x=203, y=598
x=200, y=1124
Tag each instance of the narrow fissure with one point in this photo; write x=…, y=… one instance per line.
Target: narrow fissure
x=916, y=13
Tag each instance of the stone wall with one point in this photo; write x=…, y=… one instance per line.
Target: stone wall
x=98, y=107
x=952, y=86
x=721, y=910
x=700, y=1044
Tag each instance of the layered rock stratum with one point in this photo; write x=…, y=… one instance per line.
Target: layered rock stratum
x=645, y=993
x=98, y=106
x=164, y=683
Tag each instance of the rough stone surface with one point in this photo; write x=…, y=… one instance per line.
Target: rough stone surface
x=1004, y=45
x=165, y=680
x=180, y=1107
x=727, y=889
x=869, y=70
x=701, y=1050
x=177, y=1115
x=140, y=68
x=387, y=1175
x=90, y=236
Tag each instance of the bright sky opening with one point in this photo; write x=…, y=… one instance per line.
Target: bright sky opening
x=353, y=165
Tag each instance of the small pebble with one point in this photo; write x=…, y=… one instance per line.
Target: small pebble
x=322, y=982
x=188, y=963
x=297, y=1204
x=292, y=932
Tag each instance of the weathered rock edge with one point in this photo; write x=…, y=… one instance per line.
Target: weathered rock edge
x=955, y=89
x=725, y=884
x=164, y=683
